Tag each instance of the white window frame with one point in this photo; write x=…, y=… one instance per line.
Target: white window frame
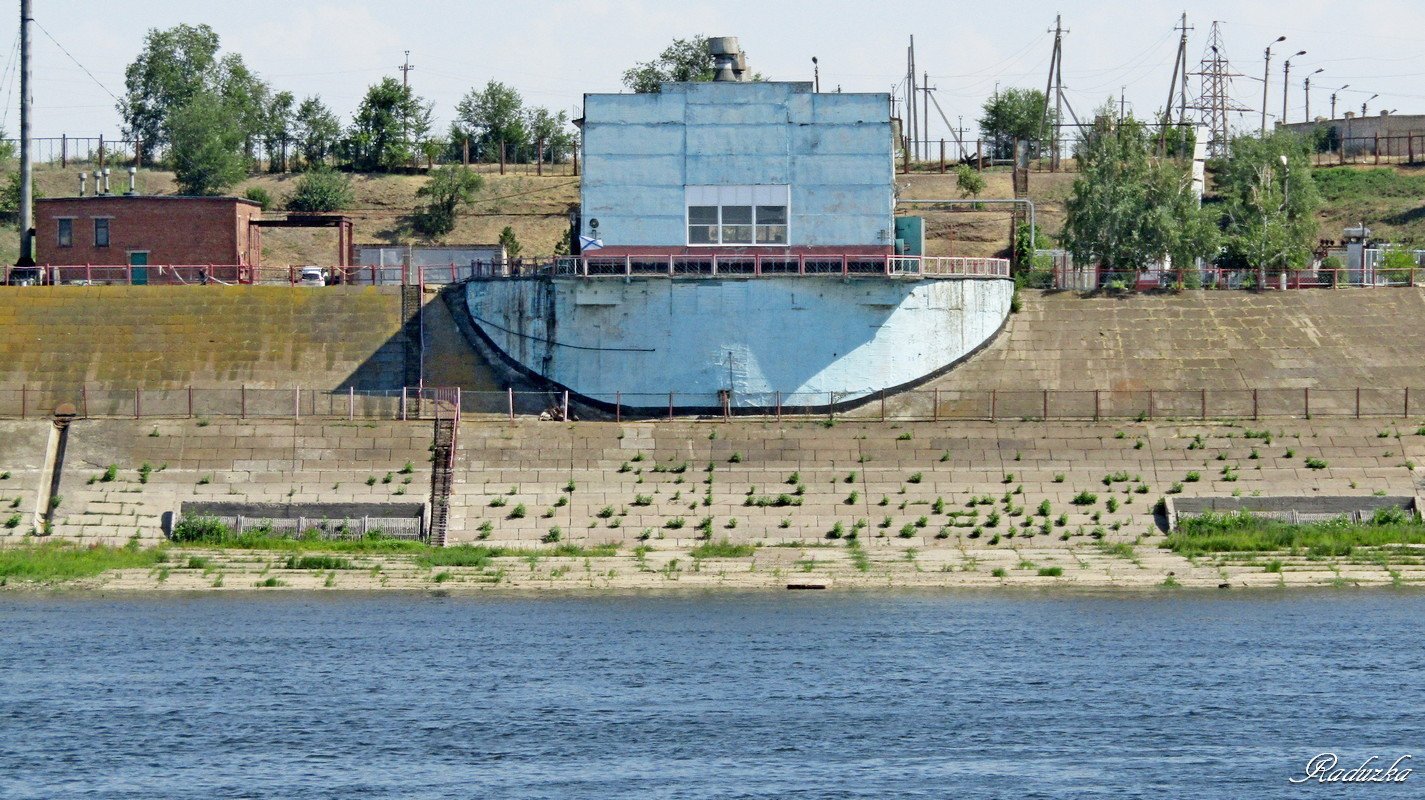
x=736, y=195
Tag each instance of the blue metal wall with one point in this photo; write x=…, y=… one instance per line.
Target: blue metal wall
x=834, y=150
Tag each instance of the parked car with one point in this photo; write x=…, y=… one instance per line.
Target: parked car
x=312, y=276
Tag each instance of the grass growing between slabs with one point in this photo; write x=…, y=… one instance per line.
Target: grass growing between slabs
x=62, y=561
x=1245, y=533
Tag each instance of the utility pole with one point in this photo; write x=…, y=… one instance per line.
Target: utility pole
x=926, y=88
x=1333, y=99
x=1286, y=81
x=910, y=99
x=1267, y=82
x=406, y=71
x=1307, y=88
x=816, y=75
x=1178, y=85
x=1055, y=83
x=27, y=102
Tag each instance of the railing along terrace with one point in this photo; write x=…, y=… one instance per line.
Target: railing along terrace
x=1088, y=279
x=758, y=265
x=919, y=405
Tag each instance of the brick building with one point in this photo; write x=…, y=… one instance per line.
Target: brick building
x=144, y=229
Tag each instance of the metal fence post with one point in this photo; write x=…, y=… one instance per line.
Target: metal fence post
x=935, y=409
x=1358, y=402
x=84, y=399
x=243, y=412
x=1204, y=404
x=670, y=406
x=511, y=398
x=350, y=403
x=403, y=404
x=994, y=401
x=1254, y=404
x=24, y=400
x=779, y=405
x=883, y=405
x=138, y=403
x=566, y=405
x=1095, y=405
x=1306, y=396
x=1407, y=402
x=296, y=404
x=1046, y=405
x=618, y=406
x=1150, y=404
x=190, y=402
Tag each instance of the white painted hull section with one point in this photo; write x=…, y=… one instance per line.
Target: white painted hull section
x=800, y=340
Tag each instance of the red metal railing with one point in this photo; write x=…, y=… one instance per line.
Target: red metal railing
x=759, y=265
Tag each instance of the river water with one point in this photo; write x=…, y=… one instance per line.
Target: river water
x=801, y=695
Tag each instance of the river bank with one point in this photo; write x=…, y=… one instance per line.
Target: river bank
x=872, y=565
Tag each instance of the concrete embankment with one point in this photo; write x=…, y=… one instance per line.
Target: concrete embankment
x=930, y=504
x=1336, y=339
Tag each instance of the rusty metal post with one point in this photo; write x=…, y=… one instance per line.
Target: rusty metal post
x=935, y=409
x=670, y=406
x=1358, y=402
x=1204, y=404
x=779, y=406
x=905, y=157
x=502, y=156
x=942, y=156
x=1095, y=405
x=242, y=414
x=1254, y=404
x=539, y=156
x=64, y=150
x=1407, y=402
x=1377, y=148
x=84, y=399
x=994, y=401
x=883, y=405
x=190, y=402
x=576, y=161
x=618, y=406
x=831, y=405
x=24, y=400
x=1150, y=404
x=138, y=403
x=101, y=154
x=1046, y=405
x=1306, y=395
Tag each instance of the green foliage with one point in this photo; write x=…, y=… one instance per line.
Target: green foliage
x=317, y=562
x=259, y=195
x=682, y=61
x=1014, y=114
x=316, y=132
x=206, y=147
x=969, y=181
x=390, y=119
x=61, y=561
x=174, y=66
x=722, y=549
x=510, y=242
x=1269, y=209
x=447, y=190
x=1239, y=533
x=321, y=190
x=1129, y=209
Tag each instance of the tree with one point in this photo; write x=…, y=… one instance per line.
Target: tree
x=448, y=189
x=389, y=122
x=1127, y=208
x=491, y=117
x=552, y=130
x=1269, y=199
x=320, y=190
x=173, y=66
x=246, y=97
x=1014, y=115
x=206, y=147
x=969, y=182
x=683, y=60
x=510, y=242
x=277, y=128
x=316, y=131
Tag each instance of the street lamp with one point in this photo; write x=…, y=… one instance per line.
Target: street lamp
x=1308, y=92
x=1363, y=105
x=1267, y=81
x=1333, y=99
x=816, y=74
x=1286, y=81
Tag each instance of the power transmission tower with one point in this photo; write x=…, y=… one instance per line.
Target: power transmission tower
x=1055, y=83
x=1215, y=103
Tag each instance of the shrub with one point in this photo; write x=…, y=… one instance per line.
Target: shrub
x=321, y=190
x=553, y=537
x=1084, y=499
x=200, y=529
x=259, y=195
x=1315, y=463
x=1050, y=572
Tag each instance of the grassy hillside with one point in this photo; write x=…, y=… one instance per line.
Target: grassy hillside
x=1391, y=200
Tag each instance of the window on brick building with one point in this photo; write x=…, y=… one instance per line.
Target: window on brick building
x=101, y=232
x=66, y=232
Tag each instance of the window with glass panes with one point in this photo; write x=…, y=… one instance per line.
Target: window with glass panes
x=737, y=215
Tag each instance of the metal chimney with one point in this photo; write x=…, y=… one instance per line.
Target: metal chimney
x=133, y=181
x=730, y=64
x=83, y=182
x=106, y=180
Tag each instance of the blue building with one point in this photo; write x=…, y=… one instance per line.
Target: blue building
x=739, y=167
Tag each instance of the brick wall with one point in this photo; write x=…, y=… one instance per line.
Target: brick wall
x=174, y=230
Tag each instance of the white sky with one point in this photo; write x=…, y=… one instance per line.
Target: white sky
x=553, y=51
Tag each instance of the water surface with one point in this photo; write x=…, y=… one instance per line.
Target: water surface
x=797, y=695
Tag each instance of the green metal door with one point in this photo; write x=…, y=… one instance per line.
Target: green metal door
x=139, y=267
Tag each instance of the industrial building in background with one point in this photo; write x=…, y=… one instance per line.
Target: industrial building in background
x=740, y=250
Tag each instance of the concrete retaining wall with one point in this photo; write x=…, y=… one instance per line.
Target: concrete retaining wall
x=804, y=337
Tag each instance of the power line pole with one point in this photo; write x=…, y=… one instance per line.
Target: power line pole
x=27, y=101
x=406, y=71
x=1055, y=83
x=926, y=88
x=910, y=100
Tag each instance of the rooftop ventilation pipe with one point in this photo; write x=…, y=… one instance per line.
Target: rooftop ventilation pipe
x=730, y=64
x=83, y=182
